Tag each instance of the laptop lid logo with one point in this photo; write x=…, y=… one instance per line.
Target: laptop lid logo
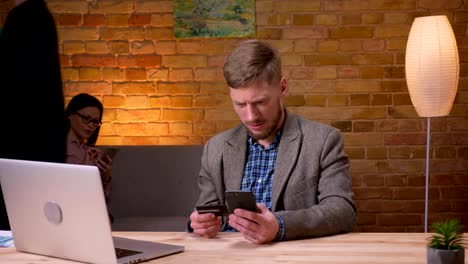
x=53, y=213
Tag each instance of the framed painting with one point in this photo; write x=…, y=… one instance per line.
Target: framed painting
x=214, y=18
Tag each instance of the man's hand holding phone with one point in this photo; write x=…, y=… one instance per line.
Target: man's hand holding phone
x=258, y=226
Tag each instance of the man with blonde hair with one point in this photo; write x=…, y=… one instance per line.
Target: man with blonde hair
x=296, y=168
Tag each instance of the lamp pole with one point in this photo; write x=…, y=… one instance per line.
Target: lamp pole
x=426, y=200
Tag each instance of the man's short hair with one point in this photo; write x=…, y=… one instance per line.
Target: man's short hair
x=252, y=61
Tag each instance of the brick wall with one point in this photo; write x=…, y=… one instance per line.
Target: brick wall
x=345, y=63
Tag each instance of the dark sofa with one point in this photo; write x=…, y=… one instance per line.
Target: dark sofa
x=154, y=188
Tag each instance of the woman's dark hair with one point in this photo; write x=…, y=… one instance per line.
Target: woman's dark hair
x=79, y=102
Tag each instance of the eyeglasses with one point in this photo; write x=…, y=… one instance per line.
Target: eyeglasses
x=89, y=120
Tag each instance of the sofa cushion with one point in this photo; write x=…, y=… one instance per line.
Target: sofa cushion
x=153, y=183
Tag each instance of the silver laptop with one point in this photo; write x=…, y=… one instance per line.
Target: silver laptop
x=59, y=210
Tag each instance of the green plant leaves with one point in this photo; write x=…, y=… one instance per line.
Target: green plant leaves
x=447, y=235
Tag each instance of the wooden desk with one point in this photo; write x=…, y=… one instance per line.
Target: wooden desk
x=232, y=248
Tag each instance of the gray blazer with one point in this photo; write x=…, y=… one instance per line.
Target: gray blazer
x=311, y=185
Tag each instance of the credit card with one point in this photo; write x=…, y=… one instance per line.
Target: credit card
x=218, y=210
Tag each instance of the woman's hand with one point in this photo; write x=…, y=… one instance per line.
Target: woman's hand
x=103, y=162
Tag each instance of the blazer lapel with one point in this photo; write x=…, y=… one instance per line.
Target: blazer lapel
x=234, y=159
x=288, y=152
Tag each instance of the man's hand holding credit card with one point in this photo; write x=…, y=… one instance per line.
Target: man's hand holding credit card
x=218, y=210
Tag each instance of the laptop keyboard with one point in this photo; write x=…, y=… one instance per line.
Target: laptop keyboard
x=121, y=252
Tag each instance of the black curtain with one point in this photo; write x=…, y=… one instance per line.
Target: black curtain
x=32, y=104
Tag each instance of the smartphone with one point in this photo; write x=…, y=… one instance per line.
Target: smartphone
x=111, y=152
x=240, y=199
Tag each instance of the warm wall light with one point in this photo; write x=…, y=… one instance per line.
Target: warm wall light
x=432, y=72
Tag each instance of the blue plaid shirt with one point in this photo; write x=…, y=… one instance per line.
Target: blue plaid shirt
x=258, y=175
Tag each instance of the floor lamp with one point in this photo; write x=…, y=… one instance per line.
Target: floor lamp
x=432, y=72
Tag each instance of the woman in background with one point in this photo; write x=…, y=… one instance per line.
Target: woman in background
x=83, y=115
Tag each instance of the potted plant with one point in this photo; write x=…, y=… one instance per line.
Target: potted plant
x=446, y=245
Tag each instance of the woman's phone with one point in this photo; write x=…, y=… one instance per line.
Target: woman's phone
x=111, y=152
x=240, y=199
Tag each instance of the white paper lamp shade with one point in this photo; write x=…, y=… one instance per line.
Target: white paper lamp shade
x=432, y=66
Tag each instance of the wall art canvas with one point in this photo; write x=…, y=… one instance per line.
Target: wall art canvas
x=214, y=18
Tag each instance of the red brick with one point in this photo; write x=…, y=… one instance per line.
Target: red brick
x=139, y=20
x=350, y=19
x=142, y=47
x=137, y=33
x=139, y=60
x=297, y=6
x=346, y=72
x=356, y=180
x=94, y=60
x=445, y=152
x=405, y=152
x=346, y=5
x=376, y=152
x=454, y=192
x=381, y=99
x=439, y=206
x=372, y=58
x=416, y=180
x=429, y=4
x=154, y=6
x=373, y=180
x=70, y=20
x=409, y=125
x=65, y=60
x=359, y=99
x=304, y=33
x=367, y=219
x=343, y=126
x=459, y=206
x=95, y=88
x=403, y=206
x=132, y=74
x=351, y=32
x=462, y=152
x=294, y=101
x=404, y=139
x=449, y=138
x=373, y=45
x=355, y=153
x=372, y=193
x=326, y=59
x=372, y=72
x=398, y=166
x=115, y=20
x=394, y=86
x=363, y=126
x=111, y=6
x=402, y=99
x=303, y=20
x=396, y=180
x=394, y=72
x=119, y=47
x=387, y=125
x=443, y=165
x=369, y=206
x=392, y=31
x=414, y=193
x=399, y=219
x=94, y=20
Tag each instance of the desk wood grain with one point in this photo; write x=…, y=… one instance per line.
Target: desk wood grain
x=232, y=248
